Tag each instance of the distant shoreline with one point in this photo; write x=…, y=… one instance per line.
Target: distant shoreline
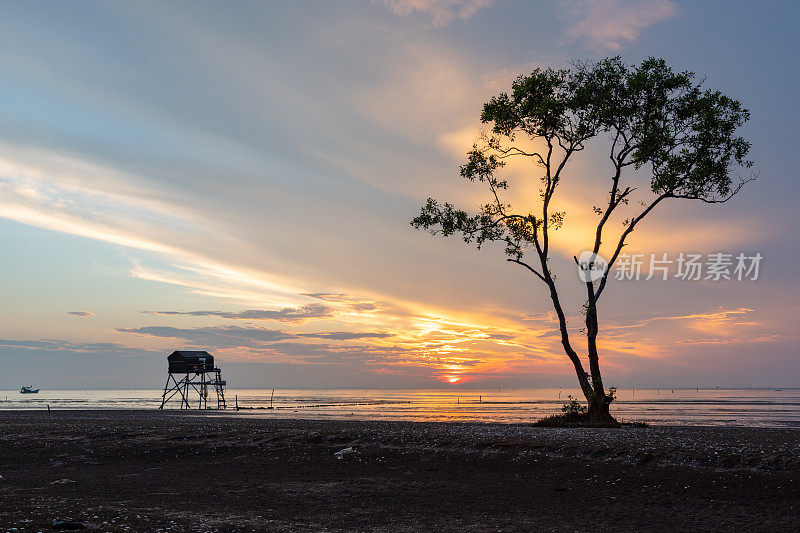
x=282, y=415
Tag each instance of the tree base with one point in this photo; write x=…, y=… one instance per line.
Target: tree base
x=577, y=420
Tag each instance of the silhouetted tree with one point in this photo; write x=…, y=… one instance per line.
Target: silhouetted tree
x=656, y=121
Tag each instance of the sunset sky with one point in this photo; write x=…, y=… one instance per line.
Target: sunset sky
x=240, y=177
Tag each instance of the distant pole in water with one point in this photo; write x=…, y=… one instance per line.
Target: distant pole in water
x=48, y=407
x=270, y=398
x=236, y=398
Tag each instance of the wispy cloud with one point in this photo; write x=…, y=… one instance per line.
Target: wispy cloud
x=287, y=314
x=69, y=194
x=613, y=24
x=723, y=341
x=21, y=60
x=67, y=346
x=215, y=337
x=346, y=335
x=356, y=304
x=80, y=313
x=262, y=344
x=658, y=337
x=239, y=337
x=441, y=12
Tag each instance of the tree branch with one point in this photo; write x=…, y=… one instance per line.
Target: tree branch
x=513, y=150
x=621, y=242
x=733, y=193
x=526, y=265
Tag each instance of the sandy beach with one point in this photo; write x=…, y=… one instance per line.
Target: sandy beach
x=151, y=471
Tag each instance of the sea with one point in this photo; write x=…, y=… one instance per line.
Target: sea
x=705, y=407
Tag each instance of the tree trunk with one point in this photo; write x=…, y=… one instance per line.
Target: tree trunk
x=599, y=408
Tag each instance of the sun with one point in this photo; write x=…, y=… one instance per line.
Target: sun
x=453, y=379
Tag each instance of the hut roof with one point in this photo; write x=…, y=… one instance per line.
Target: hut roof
x=186, y=354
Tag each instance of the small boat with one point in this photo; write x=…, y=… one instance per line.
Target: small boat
x=28, y=390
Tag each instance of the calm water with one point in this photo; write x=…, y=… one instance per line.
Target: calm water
x=767, y=408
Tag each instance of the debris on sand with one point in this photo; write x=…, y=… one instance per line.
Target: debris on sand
x=342, y=453
x=67, y=524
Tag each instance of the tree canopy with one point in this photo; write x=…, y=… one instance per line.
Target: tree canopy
x=657, y=121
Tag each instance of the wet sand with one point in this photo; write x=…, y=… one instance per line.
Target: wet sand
x=172, y=471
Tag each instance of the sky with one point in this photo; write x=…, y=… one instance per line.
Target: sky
x=240, y=177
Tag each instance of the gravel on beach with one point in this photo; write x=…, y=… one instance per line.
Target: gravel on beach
x=180, y=471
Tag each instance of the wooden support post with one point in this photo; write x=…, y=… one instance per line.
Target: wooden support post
x=198, y=382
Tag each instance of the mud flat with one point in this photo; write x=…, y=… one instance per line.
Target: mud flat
x=172, y=471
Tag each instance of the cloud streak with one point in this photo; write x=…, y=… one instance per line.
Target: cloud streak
x=71, y=347
x=239, y=337
x=441, y=12
x=287, y=314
